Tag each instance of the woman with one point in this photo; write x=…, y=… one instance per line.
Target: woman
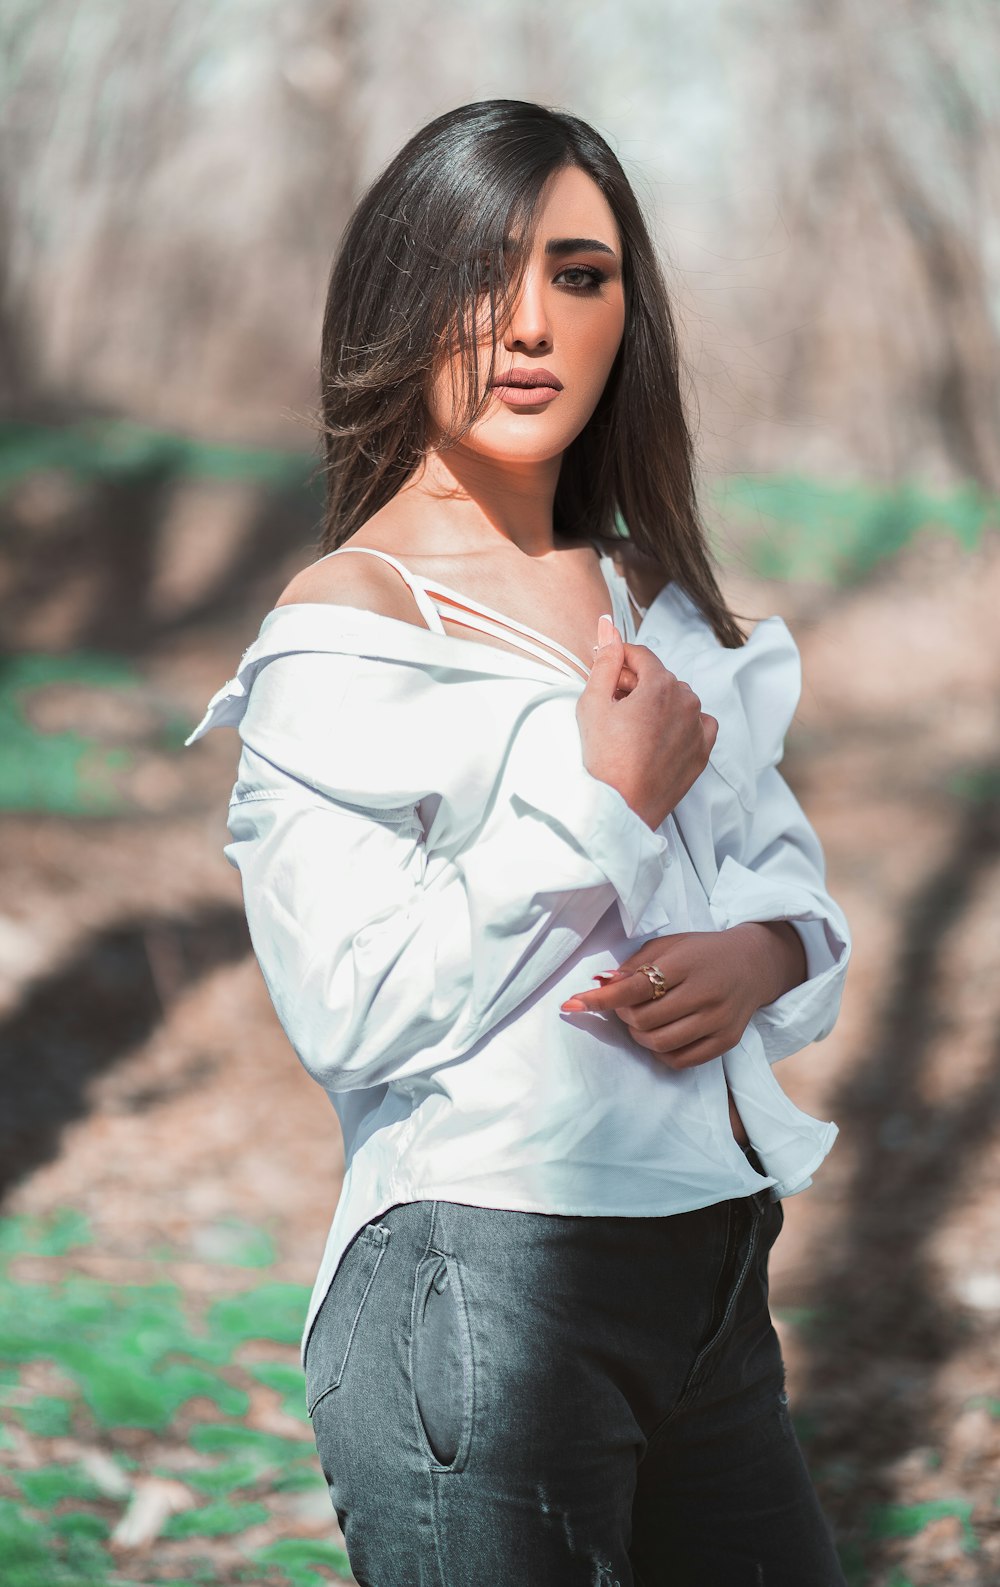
x=500, y=751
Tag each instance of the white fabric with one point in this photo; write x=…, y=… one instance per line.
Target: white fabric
x=429, y=870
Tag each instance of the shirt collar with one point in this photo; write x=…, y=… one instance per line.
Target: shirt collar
x=671, y=621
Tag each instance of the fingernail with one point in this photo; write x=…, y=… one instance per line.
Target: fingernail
x=574, y=1006
x=605, y=630
x=608, y=975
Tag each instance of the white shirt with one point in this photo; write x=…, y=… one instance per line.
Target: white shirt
x=429, y=870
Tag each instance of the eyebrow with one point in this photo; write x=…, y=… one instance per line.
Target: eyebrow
x=565, y=245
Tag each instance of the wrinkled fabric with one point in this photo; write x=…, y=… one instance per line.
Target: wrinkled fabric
x=428, y=872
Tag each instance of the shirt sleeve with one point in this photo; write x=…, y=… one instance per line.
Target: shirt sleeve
x=384, y=960
x=779, y=872
x=782, y=876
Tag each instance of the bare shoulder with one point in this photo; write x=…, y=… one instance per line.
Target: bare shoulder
x=367, y=582
x=645, y=578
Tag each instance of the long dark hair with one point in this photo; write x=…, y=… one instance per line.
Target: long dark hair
x=427, y=244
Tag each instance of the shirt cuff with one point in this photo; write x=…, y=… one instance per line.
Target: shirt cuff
x=628, y=851
x=808, y=1012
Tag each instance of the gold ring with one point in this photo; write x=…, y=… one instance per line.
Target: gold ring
x=656, y=979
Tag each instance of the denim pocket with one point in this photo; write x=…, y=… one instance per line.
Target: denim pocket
x=332, y=1333
x=742, y=1238
x=441, y=1362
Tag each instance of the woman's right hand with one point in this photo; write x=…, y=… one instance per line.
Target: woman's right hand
x=651, y=743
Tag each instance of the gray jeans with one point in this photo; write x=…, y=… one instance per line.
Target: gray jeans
x=512, y=1399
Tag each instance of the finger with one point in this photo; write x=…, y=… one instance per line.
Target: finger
x=608, y=658
x=627, y=681
x=642, y=660
x=673, y=1032
x=688, y=1057
x=670, y=1009
x=660, y=951
x=622, y=993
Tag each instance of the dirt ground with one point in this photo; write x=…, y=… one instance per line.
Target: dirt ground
x=155, y=1092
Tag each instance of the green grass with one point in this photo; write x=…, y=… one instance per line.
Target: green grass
x=794, y=528
x=906, y=1520
x=131, y=1370
x=300, y=1560
x=63, y=772
x=115, y=449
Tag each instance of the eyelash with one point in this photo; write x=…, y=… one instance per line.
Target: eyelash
x=597, y=277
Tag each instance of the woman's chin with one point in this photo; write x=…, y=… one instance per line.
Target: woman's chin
x=520, y=440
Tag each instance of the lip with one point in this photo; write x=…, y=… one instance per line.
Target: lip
x=527, y=388
x=525, y=396
x=535, y=376
x=527, y=378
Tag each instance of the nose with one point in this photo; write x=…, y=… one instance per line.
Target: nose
x=529, y=324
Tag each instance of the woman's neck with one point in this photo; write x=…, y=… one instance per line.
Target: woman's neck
x=489, y=500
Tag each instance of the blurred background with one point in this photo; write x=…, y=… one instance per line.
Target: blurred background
x=824, y=185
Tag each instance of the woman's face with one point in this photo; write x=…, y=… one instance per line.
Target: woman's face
x=567, y=322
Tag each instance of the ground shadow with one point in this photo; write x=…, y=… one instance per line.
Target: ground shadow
x=869, y=1394
x=104, y=537
x=88, y=1013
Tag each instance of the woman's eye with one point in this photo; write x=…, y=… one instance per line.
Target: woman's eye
x=592, y=278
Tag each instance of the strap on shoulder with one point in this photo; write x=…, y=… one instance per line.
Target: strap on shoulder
x=428, y=610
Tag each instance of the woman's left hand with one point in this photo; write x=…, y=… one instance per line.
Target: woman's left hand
x=716, y=981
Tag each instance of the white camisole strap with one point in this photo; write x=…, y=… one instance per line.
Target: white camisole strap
x=428, y=610
x=482, y=621
x=426, y=592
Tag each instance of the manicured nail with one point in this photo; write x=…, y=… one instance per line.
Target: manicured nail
x=608, y=975
x=574, y=1006
x=605, y=630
